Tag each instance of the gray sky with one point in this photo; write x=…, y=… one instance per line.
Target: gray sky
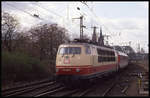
x=123, y=21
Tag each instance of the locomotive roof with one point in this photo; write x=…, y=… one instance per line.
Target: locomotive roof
x=76, y=44
x=87, y=44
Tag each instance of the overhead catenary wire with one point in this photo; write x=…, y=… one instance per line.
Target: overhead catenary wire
x=36, y=4
x=55, y=14
x=37, y=16
x=33, y=15
x=47, y=10
x=42, y=11
x=94, y=14
x=106, y=28
x=96, y=17
x=90, y=14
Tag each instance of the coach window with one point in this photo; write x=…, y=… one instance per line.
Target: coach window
x=87, y=50
x=104, y=52
x=108, y=59
x=113, y=54
x=99, y=59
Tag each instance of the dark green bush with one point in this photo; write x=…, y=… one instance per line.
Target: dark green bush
x=19, y=66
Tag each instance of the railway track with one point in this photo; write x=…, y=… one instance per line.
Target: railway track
x=65, y=91
x=115, y=82
x=61, y=91
x=37, y=89
x=52, y=88
x=21, y=89
x=74, y=92
x=91, y=88
x=106, y=87
x=50, y=91
x=109, y=89
x=24, y=85
x=84, y=92
x=142, y=82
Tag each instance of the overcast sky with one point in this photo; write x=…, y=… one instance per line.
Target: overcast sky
x=123, y=21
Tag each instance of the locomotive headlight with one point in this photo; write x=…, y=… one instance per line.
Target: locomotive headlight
x=77, y=70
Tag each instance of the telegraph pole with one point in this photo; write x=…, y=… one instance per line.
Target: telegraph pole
x=81, y=26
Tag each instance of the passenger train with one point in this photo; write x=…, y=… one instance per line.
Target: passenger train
x=80, y=61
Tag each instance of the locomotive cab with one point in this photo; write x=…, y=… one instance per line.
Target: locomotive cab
x=73, y=60
x=73, y=55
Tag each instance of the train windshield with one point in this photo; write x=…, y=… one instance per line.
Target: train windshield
x=70, y=50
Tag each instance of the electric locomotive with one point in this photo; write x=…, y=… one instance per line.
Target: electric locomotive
x=81, y=61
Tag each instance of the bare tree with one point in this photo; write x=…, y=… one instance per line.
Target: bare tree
x=21, y=42
x=9, y=28
x=46, y=39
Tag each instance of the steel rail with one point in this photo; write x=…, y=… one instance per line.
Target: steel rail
x=70, y=92
x=112, y=85
x=26, y=89
x=42, y=90
x=85, y=92
x=50, y=92
x=25, y=85
x=109, y=89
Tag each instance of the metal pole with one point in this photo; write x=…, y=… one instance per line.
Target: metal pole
x=81, y=27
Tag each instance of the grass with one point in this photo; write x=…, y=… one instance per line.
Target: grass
x=18, y=66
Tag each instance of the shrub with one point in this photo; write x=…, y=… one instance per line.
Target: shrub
x=19, y=66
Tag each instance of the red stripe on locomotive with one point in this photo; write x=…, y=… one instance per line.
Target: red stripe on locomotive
x=84, y=70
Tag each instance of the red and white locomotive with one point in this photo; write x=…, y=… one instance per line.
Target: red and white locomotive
x=78, y=60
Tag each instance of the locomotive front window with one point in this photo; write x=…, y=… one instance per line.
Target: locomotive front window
x=63, y=51
x=70, y=50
